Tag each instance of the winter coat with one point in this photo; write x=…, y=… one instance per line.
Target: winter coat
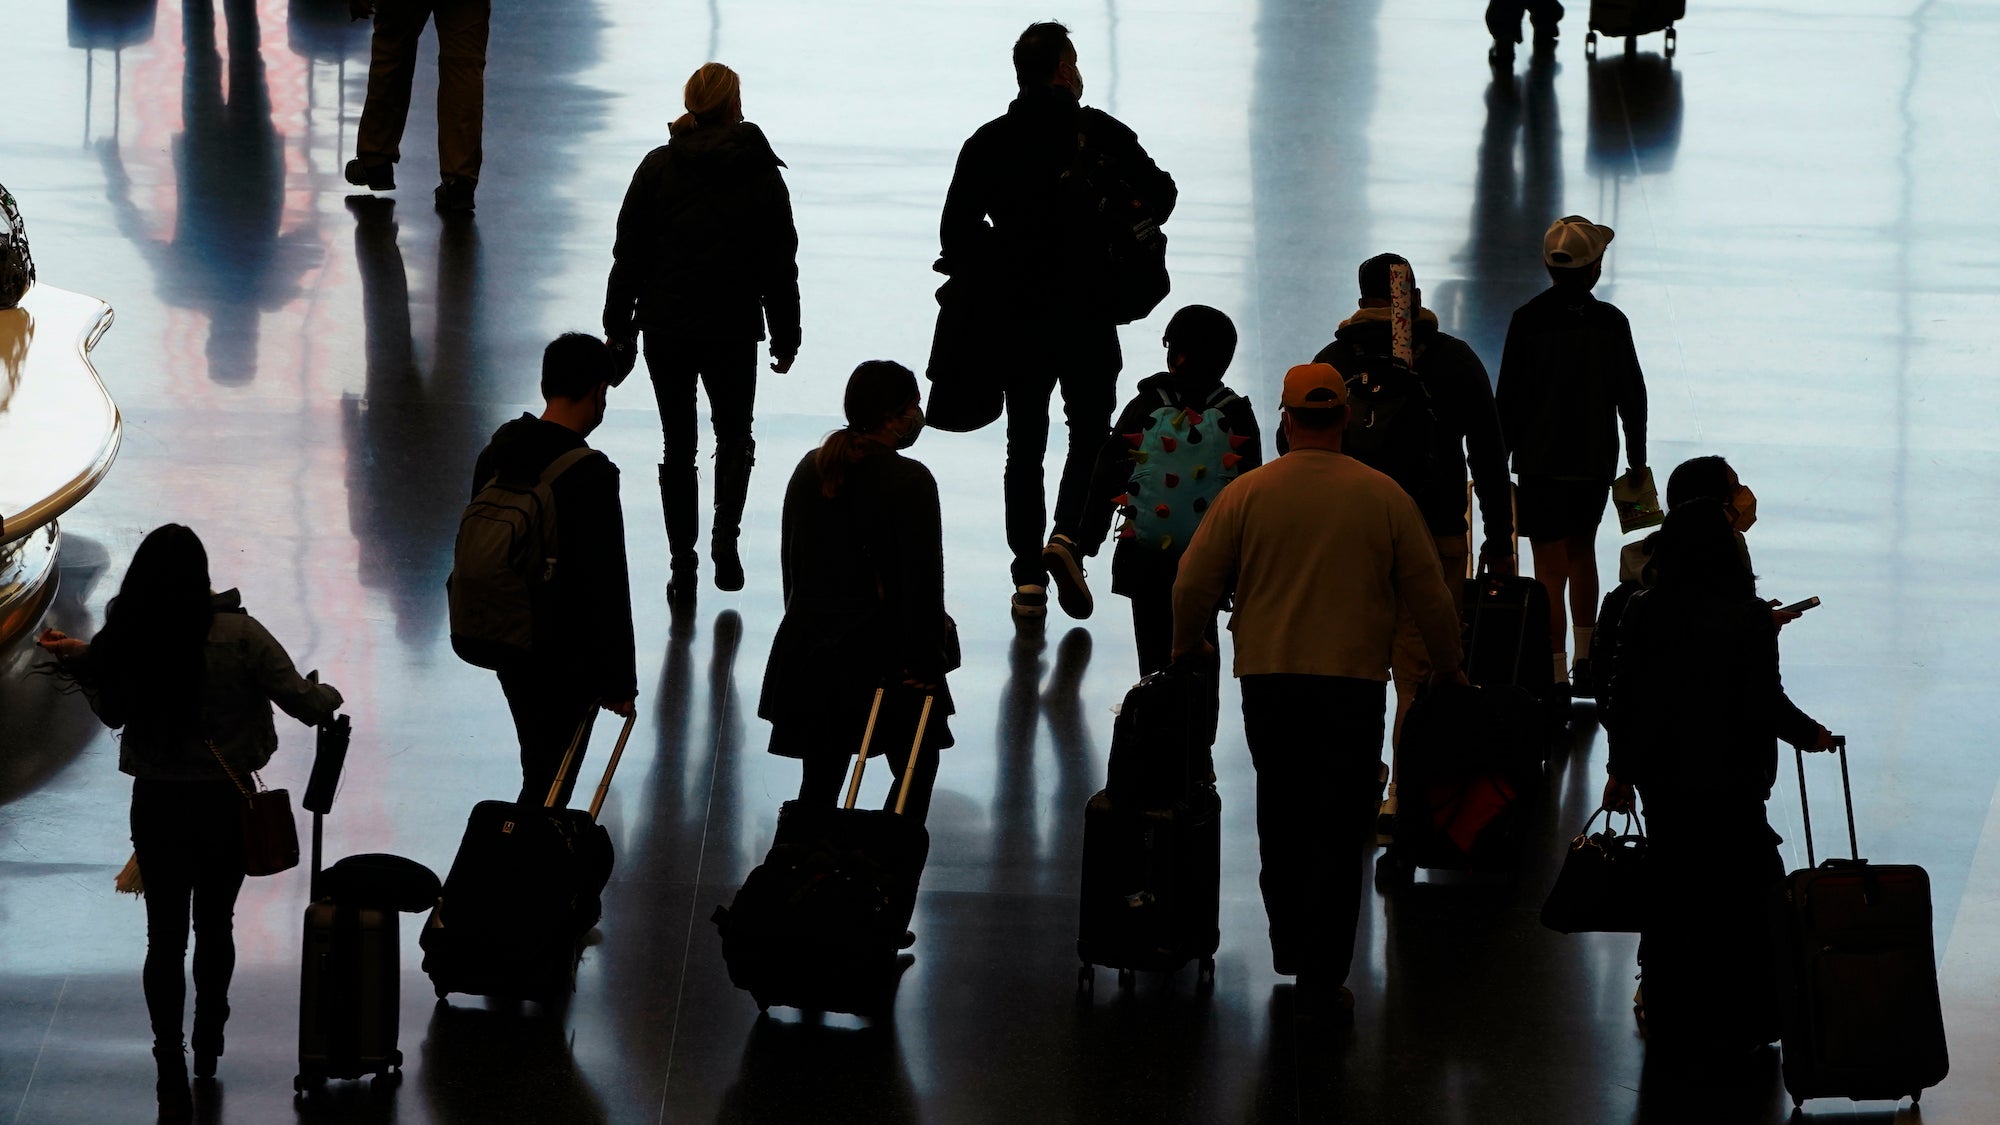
x=1569, y=375
x=1462, y=398
x=1011, y=223
x=583, y=631
x=245, y=670
x=706, y=248
x=1701, y=703
x=864, y=605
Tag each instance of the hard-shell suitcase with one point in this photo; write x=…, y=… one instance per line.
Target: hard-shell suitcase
x=1470, y=766
x=1629, y=19
x=1862, y=1016
x=1152, y=884
x=523, y=891
x=820, y=923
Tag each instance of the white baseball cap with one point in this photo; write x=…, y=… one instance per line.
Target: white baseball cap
x=1574, y=241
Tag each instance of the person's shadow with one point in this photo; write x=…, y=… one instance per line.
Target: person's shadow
x=808, y=1071
x=1069, y=734
x=501, y=1064
x=1635, y=121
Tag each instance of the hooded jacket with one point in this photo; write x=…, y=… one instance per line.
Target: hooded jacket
x=586, y=634
x=1009, y=219
x=1462, y=397
x=706, y=247
x=1568, y=376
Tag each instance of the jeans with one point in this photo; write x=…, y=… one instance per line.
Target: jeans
x=461, y=106
x=727, y=370
x=188, y=836
x=1503, y=18
x=1082, y=359
x=1314, y=741
x=547, y=709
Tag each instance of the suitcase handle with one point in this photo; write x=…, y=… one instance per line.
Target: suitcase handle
x=611, y=767
x=916, y=745
x=576, y=743
x=861, y=758
x=1846, y=791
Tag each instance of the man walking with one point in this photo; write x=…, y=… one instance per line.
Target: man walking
x=1017, y=219
x=461, y=106
x=1318, y=551
x=582, y=654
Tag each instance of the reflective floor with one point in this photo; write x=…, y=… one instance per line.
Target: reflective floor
x=1807, y=250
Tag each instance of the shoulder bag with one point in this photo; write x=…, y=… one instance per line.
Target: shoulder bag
x=270, y=835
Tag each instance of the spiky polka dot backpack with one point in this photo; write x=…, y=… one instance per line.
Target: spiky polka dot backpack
x=1180, y=461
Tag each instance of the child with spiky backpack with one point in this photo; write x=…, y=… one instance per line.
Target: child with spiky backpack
x=1172, y=449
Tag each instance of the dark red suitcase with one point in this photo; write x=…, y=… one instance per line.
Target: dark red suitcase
x=1862, y=1015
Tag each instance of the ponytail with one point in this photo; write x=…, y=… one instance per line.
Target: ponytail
x=709, y=92
x=841, y=449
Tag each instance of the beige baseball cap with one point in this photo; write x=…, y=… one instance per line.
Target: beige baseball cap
x=1574, y=241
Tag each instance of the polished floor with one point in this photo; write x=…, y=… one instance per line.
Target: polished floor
x=1807, y=250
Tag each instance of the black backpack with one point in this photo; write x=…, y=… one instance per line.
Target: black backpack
x=502, y=563
x=1129, y=247
x=1392, y=426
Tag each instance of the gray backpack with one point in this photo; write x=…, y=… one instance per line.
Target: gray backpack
x=502, y=565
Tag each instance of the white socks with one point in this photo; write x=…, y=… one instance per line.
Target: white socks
x=1582, y=635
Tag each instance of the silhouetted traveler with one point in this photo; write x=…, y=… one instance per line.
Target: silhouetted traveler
x=1171, y=450
x=1464, y=430
x=190, y=677
x=582, y=654
x=1319, y=550
x=461, y=104
x=1568, y=377
x=706, y=254
x=863, y=560
x=1044, y=248
x=1704, y=706
x=1503, y=20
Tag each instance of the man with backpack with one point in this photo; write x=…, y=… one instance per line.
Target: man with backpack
x=539, y=591
x=1173, y=447
x=1432, y=419
x=1020, y=220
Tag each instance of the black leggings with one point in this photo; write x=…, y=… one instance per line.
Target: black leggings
x=189, y=840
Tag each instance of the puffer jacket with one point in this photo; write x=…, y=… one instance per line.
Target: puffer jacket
x=246, y=670
x=706, y=248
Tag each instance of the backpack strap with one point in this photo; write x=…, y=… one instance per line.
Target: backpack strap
x=562, y=464
x=1221, y=397
x=1165, y=398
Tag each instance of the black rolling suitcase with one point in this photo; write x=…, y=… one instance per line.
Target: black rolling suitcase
x=1470, y=767
x=350, y=971
x=820, y=923
x=1629, y=19
x=522, y=892
x=1863, y=1018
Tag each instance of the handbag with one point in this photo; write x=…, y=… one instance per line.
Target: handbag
x=270, y=834
x=17, y=266
x=968, y=385
x=1603, y=884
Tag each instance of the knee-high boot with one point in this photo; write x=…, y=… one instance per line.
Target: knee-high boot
x=733, y=462
x=678, y=498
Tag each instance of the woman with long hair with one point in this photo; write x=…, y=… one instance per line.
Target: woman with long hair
x=706, y=255
x=863, y=563
x=190, y=678
x=1703, y=706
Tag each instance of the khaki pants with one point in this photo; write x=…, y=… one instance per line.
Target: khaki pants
x=461, y=105
x=1410, y=665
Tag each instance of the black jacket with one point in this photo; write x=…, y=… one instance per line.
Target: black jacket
x=1137, y=569
x=1010, y=220
x=864, y=602
x=1462, y=398
x=706, y=248
x=1568, y=376
x=1701, y=704
x=589, y=623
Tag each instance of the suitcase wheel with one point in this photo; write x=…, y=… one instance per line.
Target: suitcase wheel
x=441, y=991
x=1126, y=977
x=1672, y=41
x=1205, y=975
x=1590, y=45
x=762, y=1004
x=395, y=1060
x=1916, y=1097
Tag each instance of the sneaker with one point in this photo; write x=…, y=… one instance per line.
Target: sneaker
x=454, y=194
x=1581, y=684
x=1385, y=820
x=1030, y=602
x=375, y=175
x=1072, y=593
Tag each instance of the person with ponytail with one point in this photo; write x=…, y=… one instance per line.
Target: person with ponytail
x=863, y=569
x=706, y=258
x=190, y=678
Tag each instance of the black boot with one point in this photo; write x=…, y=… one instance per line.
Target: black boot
x=678, y=493
x=733, y=462
x=207, y=1040
x=176, y=1102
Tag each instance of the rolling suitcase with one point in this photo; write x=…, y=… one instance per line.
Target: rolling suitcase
x=1152, y=879
x=522, y=892
x=819, y=925
x=1163, y=737
x=350, y=990
x=1862, y=1016
x=1629, y=19
x=1470, y=766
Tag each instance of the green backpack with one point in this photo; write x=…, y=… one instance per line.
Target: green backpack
x=1180, y=461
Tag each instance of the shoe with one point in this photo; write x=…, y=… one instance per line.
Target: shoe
x=207, y=1039
x=375, y=175
x=1581, y=684
x=728, y=565
x=1072, y=593
x=454, y=195
x=909, y=939
x=171, y=1090
x=681, y=588
x=1500, y=55
x=1385, y=820
x=1030, y=603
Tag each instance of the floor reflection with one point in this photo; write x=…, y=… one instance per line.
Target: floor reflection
x=809, y=1071
x=486, y=1064
x=1635, y=123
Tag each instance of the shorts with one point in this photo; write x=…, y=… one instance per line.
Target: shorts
x=1549, y=508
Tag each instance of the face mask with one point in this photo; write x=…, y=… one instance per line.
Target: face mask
x=914, y=425
x=1746, y=508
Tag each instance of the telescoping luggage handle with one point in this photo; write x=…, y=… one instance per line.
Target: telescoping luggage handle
x=1846, y=791
x=868, y=737
x=610, y=767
